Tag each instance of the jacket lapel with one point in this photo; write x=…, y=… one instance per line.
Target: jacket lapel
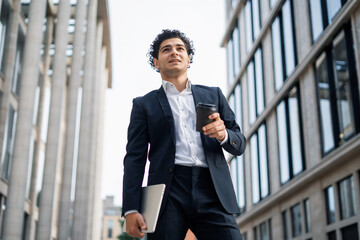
x=165, y=105
x=196, y=94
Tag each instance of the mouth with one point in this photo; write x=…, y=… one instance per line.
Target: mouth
x=174, y=60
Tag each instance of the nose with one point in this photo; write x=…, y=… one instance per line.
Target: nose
x=174, y=52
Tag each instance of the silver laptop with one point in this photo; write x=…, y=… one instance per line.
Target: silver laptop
x=151, y=199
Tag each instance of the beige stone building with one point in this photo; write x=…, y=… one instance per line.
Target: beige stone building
x=55, y=65
x=111, y=227
x=293, y=83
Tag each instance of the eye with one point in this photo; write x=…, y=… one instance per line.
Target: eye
x=165, y=50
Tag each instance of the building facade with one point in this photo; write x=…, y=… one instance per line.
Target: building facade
x=111, y=226
x=293, y=80
x=55, y=65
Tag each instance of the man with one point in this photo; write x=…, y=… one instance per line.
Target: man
x=199, y=194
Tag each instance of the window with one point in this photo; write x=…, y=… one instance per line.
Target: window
x=45, y=114
x=322, y=14
x=255, y=77
x=307, y=213
x=238, y=105
x=283, y=38
x=332, y=235
x=238, y=179
x=252, y=22
x=347, y=198
x=350, y=232
x=263, y=231
x=39, y=176
x=285, y=225
x=259, y=165
x=4, y=20
x=18, y=63
x=290, y=136
x=330, y=204
x=338, y=97
x=7, y=154
x=110, y=228
x=233, y=54
x=296, y=220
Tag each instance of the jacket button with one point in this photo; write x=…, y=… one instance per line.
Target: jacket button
x=170, y=170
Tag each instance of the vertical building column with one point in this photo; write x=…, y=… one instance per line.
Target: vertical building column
x=54, y=143
x=81, y=214
x=92, y=173
x=13, y=222
x=10, y=52
x=72, y=103
x=31, y=225
x=103, y=76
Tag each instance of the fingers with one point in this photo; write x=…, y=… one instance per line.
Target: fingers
x=216, y=129
x=134, y=224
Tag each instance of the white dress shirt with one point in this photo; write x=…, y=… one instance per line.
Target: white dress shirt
x=189, y=149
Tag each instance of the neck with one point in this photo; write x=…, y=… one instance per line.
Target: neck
x=178, y=81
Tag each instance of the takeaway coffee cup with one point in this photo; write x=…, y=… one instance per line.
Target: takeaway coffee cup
x=203, y=110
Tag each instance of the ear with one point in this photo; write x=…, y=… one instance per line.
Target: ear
x=189, y=59
x=156, y=63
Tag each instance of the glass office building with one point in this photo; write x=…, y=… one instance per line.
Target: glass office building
x=293, y=81
x=55, y=65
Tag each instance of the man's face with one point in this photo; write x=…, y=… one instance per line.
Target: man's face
x=173, y=58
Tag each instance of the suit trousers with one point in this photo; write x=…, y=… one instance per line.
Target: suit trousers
x=193, y=204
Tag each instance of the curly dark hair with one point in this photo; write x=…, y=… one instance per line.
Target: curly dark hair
x=164, y=35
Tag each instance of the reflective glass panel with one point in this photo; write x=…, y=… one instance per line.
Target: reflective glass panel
x=248, y=26
x=264, y=171
x=294, y=118
x=296, y=220
x=256, y=17
x=9, y=144
x=285, y=225
x=330, y=204
x=260, y=99
x=350, y=232
x=241, y=182
x=40, y=173
x=236, y=50
x=289, y=48
x=283, y=143
x=254, y=169
x=333, y=7
x=251, y=92
x=276, y=44
x=343, y=89
x=324, y=103
x=307, y=212
x=238, y=105
x=234, y=175
x=317, y=25
x=230, y=62
x=263, y=231
x=347, y=198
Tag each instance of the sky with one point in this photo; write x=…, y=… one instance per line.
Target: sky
x=134, y=25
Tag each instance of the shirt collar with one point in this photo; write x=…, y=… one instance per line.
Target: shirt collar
x=168, y=85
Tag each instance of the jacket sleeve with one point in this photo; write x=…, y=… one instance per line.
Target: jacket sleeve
x=236, y=142
x=135, y=158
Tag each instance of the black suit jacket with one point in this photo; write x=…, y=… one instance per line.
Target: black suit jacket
x=151, y=134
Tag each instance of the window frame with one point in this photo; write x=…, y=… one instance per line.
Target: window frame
x=354, y=86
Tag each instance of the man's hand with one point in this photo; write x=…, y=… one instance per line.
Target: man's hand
x=216, y=129
x=134, y=224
